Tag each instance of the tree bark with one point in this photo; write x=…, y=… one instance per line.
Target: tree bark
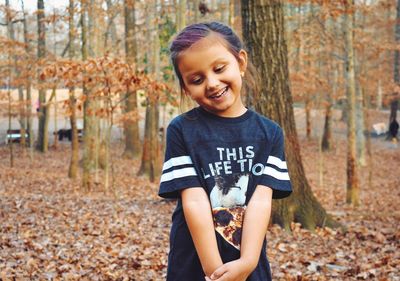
x=16, y=74
x=43, y=135
x=151, y=156
x=360, y=57
x=326, y=142
x=353, y=189
x=231, y=19
x=394, y=103
x=327, y=135
x=28, y=84
x=307, y=108
x=74, y=162
x=111, y=30
x=263, y=30
x=131, y=127
x=360, y=129
x=89, y=123
x=181, y=15
x=196, y=10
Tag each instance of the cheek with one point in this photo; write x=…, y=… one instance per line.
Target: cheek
x=195, y=90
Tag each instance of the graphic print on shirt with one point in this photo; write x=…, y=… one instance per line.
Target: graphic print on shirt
x=228, y=198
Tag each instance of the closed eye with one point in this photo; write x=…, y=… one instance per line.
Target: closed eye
x=196, y=80
x=219, y=68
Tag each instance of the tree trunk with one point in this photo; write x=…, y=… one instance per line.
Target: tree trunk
x=263, y=29
x=43, y=135
x=181, y=15
x=131, y=127
x=327, y=135
x=151, y=156
x=89, y=122
x=370, y=163
x=55, y=144
x=91, y=36
x=379, y=94
x=196, y=10
x=326, y=143
x=16, y=73
x=28, y=84
x=397, y=52
x=360, y=57
x=353, y=188
x=74, y=162
x=9, y=78
x=360, y=129
x=111, y=31
x=231, y=12
x=151, y=165
x=224, y=10
x=394, y=103
x=307, y=108
x=10, y=144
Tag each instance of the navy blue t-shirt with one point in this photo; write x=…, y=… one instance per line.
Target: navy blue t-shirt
x=228, y=157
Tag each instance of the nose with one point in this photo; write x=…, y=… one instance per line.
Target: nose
x=212, y=82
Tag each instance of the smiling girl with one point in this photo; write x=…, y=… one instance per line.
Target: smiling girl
x=223, y=162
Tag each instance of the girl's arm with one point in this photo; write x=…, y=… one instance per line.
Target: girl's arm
x=255, y=225
x=198, y=216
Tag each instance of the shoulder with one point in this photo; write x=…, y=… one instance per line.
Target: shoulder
x=266, y=123
x=184, y=118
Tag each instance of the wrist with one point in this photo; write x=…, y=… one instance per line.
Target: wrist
x=249, y=263
x=212, y=266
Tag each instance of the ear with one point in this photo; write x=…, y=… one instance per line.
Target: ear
x=242, y=60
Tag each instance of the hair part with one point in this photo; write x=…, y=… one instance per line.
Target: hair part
x=194, y=33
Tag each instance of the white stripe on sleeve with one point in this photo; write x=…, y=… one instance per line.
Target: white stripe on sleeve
x=276, y=174
x=277, y=162
x=181, y=173
x=177, y=161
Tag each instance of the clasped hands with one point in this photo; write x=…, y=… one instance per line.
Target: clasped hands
x=237, y=270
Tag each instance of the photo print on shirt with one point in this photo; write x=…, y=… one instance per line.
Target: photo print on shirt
x=228, y=199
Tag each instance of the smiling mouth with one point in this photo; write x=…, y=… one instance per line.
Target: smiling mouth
x=219, y=94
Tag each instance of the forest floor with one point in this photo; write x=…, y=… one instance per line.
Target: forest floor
x=51, y=230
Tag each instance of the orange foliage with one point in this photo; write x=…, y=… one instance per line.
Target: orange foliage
x=108, y=80
x=317, y=50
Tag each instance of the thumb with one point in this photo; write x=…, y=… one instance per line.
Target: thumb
x=218, y=272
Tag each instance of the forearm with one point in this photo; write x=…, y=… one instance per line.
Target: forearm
x=198, y=216
x=255, y=225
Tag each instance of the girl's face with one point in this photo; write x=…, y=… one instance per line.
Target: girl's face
x=212, y=76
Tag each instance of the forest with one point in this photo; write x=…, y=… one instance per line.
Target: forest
x=87, y=91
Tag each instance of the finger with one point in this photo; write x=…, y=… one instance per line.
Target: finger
x=207, y=279
x=224, y=277
x=218, y=272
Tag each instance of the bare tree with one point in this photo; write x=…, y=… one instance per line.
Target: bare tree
x=28, y=83
x=151, y=155
x=43, y=135
x=89, y=122
x=395, y=101
x=74, y=163
x=353, y=189
x=131, y=126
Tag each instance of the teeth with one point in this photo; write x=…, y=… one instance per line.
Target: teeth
x=219, y=94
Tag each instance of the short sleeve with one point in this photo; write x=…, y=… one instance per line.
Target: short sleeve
x=178, y=170
x=276, y=175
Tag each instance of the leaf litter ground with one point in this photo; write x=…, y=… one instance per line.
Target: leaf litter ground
x=51, y=230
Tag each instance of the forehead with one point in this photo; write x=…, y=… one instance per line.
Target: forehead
x=203, y=54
